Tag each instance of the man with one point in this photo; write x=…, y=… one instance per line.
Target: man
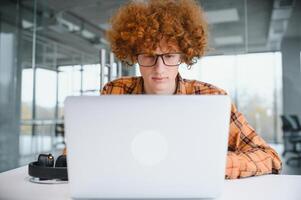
x=159, y=35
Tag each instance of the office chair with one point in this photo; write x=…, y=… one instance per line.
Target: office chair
x=291, y=138
x=297, y=122
x=287, y=127
x=60, y=131
x=296, y=139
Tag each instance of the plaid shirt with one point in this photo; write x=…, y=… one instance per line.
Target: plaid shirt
x=248, y=154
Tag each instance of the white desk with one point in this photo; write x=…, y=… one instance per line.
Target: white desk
x=14, y=184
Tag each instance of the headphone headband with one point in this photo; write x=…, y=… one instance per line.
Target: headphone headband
x=42, y=172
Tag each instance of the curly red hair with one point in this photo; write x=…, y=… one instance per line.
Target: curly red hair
x=140, y=26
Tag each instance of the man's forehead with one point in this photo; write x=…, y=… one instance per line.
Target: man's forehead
x=163, y=47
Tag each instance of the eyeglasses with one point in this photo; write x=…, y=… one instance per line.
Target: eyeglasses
x=169, y=59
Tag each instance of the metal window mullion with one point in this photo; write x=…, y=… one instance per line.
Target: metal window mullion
x=119, y=72
x=102, y=55
x=111, y=66
x=33, y=61
x=57, y=83
x=81, y=79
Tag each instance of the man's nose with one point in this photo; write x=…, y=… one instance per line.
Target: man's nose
x=159, y=66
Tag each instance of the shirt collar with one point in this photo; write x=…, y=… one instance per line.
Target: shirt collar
x=180, y=89
x=139, y=89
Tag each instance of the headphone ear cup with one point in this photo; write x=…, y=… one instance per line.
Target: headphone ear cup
x=44, y=169
x=46, y=160
x=61, y=161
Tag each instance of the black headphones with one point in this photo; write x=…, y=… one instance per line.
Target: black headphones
x=45, y=169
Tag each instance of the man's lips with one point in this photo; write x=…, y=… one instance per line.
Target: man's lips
x=159, y=78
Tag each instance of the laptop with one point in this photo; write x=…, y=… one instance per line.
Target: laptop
x=146, y=146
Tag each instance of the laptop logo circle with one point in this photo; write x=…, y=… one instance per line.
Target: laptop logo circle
x=149, y=147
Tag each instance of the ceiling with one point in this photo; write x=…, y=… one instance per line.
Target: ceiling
x=76, y=28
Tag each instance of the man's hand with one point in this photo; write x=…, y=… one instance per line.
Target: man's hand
x=233, y=166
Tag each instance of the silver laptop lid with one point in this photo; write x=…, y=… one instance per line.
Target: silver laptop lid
x=146, y=146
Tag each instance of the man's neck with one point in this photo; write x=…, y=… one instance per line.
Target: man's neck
x=170, y=90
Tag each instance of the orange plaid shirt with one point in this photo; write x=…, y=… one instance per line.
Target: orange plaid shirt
x=248, y=154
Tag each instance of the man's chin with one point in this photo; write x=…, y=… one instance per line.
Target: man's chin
x=160, y=90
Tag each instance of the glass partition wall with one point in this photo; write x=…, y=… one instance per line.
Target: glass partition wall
x=47, y=54
x=62, y=59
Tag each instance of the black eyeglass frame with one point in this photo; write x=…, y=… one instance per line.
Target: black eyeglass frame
x=160, y=55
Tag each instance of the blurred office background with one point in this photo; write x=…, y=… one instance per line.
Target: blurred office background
x=50, y=49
